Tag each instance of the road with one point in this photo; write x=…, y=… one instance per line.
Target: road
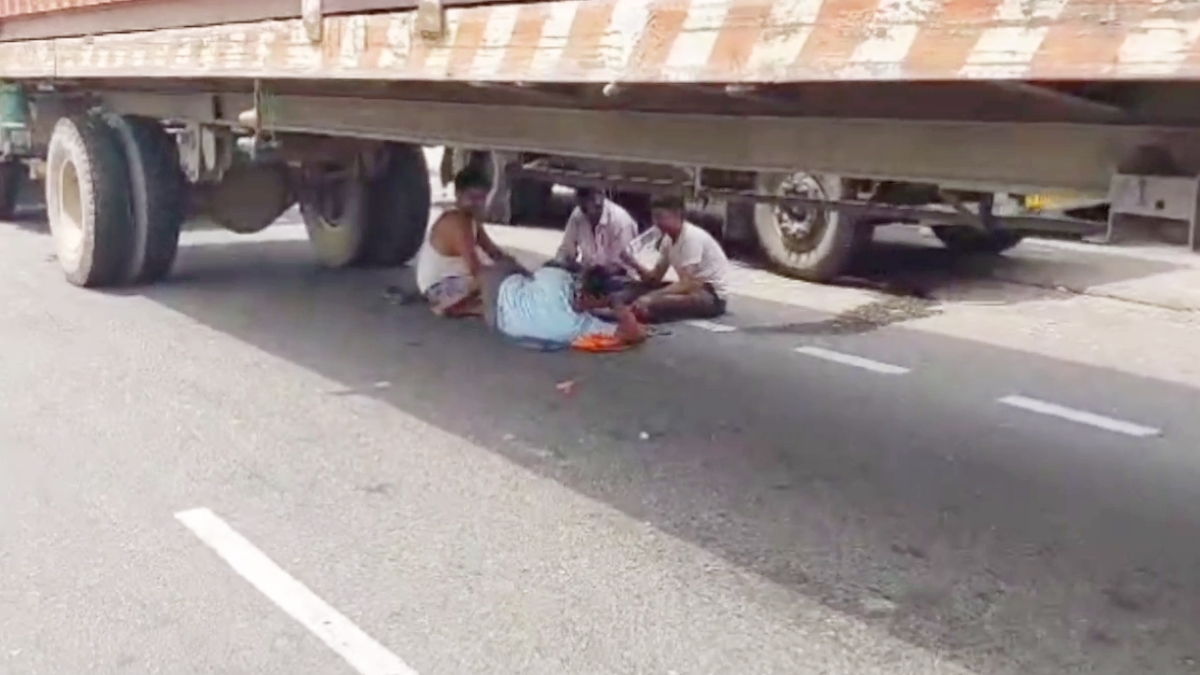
x=212, y=475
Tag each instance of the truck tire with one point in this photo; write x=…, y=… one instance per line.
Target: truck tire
x=13, y=177
x=398, y=206
x=970, y=241
x=88, y=202
x=808, y=243
x=157, y=193
x=637, y=204
x=528, y=201
x=336, y=222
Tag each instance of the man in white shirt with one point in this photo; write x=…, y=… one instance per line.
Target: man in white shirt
x=597, y=233
x=698, y=260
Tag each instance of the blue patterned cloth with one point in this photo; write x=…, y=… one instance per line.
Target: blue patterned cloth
x=539, y=307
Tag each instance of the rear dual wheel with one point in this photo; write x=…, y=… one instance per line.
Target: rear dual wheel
x=818, y=243
x=114, y=199
x=512, y=201
x=370, y=219
x=810, y=242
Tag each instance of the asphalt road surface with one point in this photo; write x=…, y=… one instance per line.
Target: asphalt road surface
x=259, y=467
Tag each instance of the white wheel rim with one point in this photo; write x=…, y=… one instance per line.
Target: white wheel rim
x=68, y=210
x=799, y=185
x=336, y=243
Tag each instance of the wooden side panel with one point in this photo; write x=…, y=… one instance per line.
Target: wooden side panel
x=666, y=41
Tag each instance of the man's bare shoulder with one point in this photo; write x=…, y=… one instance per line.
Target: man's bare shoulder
x=451, y=219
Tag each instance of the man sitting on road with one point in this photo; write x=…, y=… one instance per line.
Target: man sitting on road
x=698, y=260
x=597, y=233
x=552, y=309
x=456, y=249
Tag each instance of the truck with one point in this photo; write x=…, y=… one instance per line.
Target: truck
x=809, y=122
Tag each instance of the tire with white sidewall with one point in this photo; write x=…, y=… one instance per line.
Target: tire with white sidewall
x=370, y=215
x=337, y=222
x=812, y=243
x=88, y=202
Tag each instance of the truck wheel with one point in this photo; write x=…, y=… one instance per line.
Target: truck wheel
x=88, y=202
x=807, y=242
x=970, y=241
x=529, y=201
x=512, y=202
x=13, y=177
x=398, y=206
x=156, y=195
x=335, y=216
x=637, y=204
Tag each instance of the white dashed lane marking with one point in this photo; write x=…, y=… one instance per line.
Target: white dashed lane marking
x=360, y=650
x=1080, y=416
x=712, y=326
x=852, y=360
x=1016, y=401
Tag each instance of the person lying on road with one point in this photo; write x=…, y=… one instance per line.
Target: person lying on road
x=456, y=248
x=552, y=308
x=698, y=260
x=597, y=233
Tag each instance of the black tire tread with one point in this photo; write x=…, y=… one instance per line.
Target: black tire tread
x=398, y=205
x=165, y=208
x=529, y=201
x=969, y=241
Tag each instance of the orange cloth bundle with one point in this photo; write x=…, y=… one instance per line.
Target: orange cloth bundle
x=600, y=344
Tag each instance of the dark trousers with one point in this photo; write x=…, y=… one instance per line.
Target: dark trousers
x=703, y=303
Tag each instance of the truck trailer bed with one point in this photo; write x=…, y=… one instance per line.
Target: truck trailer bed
x=605, y=41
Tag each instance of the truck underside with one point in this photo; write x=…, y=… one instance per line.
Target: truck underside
x=808, y=147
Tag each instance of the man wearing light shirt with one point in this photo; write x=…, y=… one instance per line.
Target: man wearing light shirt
x=697, y=258
x=598, y=232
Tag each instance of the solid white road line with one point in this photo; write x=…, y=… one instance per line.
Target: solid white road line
x=852, y=360
x=362, y=652
x=712, y=326
x=1080, y=416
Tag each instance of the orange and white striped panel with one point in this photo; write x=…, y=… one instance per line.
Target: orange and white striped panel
x=669, y=41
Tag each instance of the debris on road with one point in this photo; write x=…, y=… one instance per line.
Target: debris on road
x=399, y=296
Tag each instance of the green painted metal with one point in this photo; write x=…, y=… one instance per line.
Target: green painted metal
x=14, y=106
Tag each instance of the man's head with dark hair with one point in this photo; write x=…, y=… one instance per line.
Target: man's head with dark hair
x=590, y=201
x=595, y=288
x=471, y=188
x=667, y=212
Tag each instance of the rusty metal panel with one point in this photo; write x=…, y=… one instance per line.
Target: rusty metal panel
x=56, y=18
x=26, y=8
x=673, y=41
x=18, y=7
